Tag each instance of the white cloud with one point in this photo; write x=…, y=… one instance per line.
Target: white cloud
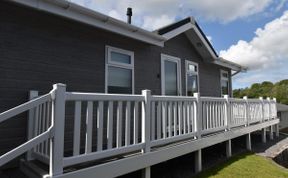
x=228, y=10
x=266, y=54
x=155, y=23
x=149, y=13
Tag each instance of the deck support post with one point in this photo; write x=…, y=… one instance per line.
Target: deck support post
x=263, y=134
x=228, y=148
x=31, y=116
x=271, y=132
x=146, y=172
x=58, y=120
x=277, y=130
x=248, y=142
x=198, y=161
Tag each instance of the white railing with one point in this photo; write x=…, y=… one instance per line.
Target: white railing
x=103, y=126
x=38, y=142
x=172, y=119
x=113, y=121
x=214, y=114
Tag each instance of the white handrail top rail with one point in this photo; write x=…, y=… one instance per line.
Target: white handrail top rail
x=24, y=107
x=172, y=98
x=213, y=99
x=77, y=96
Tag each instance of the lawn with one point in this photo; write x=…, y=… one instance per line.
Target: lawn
x=246, y=165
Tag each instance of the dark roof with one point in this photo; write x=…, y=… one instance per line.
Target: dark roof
x=180, y=23
x=173, y=26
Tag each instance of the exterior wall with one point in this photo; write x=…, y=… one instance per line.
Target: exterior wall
x=39, y=49
x=283, y=120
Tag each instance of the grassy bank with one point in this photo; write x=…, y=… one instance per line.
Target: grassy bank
x=246, y=165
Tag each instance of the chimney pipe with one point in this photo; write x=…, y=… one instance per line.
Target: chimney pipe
x=129, y=15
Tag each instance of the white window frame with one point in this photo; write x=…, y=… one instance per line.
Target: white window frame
x=109, y=62
x=165, y=57
x=224, y=79
x=187, y=62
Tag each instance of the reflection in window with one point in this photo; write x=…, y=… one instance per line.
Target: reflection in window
x=120, y=58
x=171, y=86
x=191, y=78
x=119, y=80
x=224, y=83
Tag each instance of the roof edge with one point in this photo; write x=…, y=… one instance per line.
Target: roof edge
x=233, y=66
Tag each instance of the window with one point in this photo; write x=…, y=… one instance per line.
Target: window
x=170, y=75
x=224, y=82
x=119, y=71
x=192, y=78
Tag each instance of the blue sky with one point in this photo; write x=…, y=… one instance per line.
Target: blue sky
x=253, y=33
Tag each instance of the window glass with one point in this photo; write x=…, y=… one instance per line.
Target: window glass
x=120, y=58
x=225, y=74
x=224, y=87
x=119, y=80
x=192, y=84
x=171, y=85
x=192, y=68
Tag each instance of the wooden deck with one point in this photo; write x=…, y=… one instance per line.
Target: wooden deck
x=125, y=133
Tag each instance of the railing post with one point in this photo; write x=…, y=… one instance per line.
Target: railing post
x=146, y=130
x=275, y=107
x=263, y=110
x=58, y=120
x=269, y=108
x=247, y=114
x=198, y=114
x=228, y=112
x=275, y=115
x=31, y=116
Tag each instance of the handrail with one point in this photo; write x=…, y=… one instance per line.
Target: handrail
x=26, y=146
x=72, y=96
x=24, y=107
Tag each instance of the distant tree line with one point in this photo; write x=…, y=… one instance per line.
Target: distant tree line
x=278, y=90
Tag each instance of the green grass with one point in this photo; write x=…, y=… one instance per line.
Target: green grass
x=246, y=165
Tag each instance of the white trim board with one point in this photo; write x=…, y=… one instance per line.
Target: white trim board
x=127, y=165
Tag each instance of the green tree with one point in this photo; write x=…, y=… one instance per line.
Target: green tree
x=265, y=89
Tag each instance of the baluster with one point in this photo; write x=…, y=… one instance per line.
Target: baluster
x=77, y=128
x=158, y=120
x=100, y=126
x=170, y=119
x=110, y=125
x=136, y=122
x=153, y=121
x=89, y=124
x=119, y=125
x=127, y=125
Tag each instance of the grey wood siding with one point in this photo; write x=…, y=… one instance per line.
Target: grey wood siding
x=39, y=49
